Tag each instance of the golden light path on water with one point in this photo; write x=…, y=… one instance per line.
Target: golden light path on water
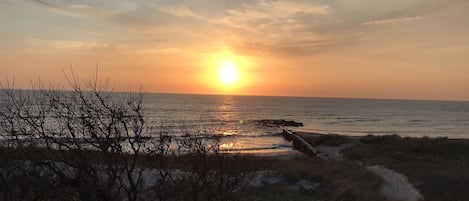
x=235, y=141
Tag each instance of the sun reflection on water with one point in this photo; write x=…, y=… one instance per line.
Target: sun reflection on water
x=227, y=145
x=237, y=135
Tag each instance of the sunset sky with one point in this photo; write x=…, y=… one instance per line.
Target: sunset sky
x=410, y=49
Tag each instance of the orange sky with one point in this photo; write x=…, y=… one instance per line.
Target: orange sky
x=411, y=49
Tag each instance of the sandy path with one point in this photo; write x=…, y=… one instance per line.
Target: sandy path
x=396, y=186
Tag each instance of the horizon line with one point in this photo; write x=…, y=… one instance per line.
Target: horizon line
x=322, y=97
x=270, y=95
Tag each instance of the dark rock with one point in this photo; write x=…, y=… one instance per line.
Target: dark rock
x=279, y=122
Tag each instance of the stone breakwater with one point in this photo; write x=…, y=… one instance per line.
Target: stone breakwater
x=299, y=142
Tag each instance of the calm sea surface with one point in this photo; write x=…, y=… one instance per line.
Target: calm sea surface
x=234, y=117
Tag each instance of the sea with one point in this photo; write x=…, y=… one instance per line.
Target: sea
x=236, y=122
x=235, y=119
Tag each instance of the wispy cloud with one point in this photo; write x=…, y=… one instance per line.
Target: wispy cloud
x=393, y=21
x=179, y=11
x=279, y=50
x=34, y=43
x=267, y=12
x=47, y=4
x=279, y=27
x=80, y=6
x=273, y=27
x=289, y=8
x=77, y=10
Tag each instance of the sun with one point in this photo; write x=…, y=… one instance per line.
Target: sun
x=228, y=73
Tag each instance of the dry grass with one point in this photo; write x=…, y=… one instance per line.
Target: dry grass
x=342, y=180
x=439, y=167
x=339, y=180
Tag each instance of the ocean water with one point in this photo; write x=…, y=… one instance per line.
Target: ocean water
x=234, y=118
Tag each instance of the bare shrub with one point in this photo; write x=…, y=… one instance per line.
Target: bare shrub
x=77, y=137
x=196, y=169
x=94, y=144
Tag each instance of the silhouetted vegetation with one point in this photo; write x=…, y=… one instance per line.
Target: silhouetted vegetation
x=92, y=144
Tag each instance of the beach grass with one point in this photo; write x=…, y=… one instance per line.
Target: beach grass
x=333, y=180
x=339, y=180
x=438, y=167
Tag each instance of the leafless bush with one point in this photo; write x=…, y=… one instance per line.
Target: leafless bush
x=60, y=129
x=93, y=144
x=192, y=167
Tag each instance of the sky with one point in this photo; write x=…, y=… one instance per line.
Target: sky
x=404, y=49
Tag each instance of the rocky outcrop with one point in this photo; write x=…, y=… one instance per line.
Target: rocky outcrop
x=279, y=122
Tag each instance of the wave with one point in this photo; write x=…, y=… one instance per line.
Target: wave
x=273, y=147
x=352, y=120
x=247, y=135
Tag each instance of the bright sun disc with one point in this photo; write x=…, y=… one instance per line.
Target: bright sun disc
x=228, y=73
